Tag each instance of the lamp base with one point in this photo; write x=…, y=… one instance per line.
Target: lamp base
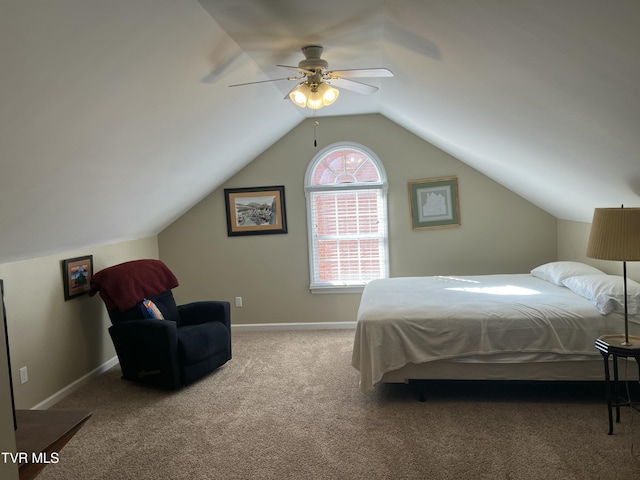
x=626, y=344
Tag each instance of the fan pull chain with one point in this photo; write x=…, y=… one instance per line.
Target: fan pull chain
x=315, y=125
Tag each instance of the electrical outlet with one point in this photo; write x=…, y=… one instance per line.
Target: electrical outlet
x=238, y=302
x=24, y=376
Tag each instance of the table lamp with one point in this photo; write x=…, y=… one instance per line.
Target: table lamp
x=615, y=235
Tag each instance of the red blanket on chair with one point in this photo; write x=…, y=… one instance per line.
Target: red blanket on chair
x=125, y=285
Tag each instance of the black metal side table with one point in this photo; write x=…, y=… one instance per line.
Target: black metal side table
x=612, y=345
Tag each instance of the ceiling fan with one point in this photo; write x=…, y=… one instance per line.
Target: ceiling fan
x=316, y=85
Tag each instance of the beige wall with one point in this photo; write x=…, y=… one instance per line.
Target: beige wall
x=572, y=245
x=500, y=232
x=59, y=341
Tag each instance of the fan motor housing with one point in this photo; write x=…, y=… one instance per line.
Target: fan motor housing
x=312, y=59
x=313, y=64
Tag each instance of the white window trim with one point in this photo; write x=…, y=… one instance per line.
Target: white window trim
x=308, y=187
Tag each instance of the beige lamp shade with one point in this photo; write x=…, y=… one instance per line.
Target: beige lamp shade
x=615, y=234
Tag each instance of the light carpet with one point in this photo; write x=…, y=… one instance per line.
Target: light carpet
x=288, y=406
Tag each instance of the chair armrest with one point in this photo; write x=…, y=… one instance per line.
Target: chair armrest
x=208, y=311
x=161, y=334
x=148, y=347
x=139, y=323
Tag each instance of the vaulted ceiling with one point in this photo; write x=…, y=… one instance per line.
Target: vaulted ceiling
x=116, y=117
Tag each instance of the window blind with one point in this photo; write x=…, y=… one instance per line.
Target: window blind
x=349, y=229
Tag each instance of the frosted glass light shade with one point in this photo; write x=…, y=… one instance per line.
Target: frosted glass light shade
x=300, y=94
x=328, y=94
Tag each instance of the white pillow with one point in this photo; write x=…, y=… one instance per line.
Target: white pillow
x=556, y=272
x=606, y=292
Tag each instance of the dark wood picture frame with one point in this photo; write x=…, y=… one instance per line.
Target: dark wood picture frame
x=77, y=273
x=255, y=210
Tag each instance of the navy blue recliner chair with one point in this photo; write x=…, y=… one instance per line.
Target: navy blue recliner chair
x=159, y=343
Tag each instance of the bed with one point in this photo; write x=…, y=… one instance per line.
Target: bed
x=536, y=326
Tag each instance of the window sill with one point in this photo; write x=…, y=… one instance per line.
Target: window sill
x=323, y=289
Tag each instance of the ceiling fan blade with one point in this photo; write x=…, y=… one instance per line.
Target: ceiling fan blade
x=302, y=71
x=357, y=87
x=265, y=81
x=361, y=72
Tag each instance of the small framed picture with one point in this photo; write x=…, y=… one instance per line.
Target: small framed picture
x=255, y=210
x=77, y=273
x=434, y=203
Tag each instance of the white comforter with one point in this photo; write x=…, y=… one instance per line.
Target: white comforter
x=421, y=319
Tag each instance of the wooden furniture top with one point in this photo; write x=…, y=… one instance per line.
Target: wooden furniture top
x=42, y=433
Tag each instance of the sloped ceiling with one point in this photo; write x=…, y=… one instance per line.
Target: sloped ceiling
x=116, y=117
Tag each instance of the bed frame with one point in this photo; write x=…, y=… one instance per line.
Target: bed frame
x=568, y=371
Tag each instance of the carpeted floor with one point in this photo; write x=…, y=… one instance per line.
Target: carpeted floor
x=287, y=406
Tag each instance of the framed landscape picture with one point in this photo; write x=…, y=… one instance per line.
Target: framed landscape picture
x=255, y=210
x=77, y=273
x=434, y=203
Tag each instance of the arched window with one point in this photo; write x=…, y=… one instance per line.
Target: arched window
x=346, y=190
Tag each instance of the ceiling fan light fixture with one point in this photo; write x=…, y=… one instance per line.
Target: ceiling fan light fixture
x=321, y=95
x=314, y=96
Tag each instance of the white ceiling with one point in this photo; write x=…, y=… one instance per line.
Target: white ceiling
x=116, y=117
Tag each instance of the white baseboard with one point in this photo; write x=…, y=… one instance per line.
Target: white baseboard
x=72, y=387
x=294, y=326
